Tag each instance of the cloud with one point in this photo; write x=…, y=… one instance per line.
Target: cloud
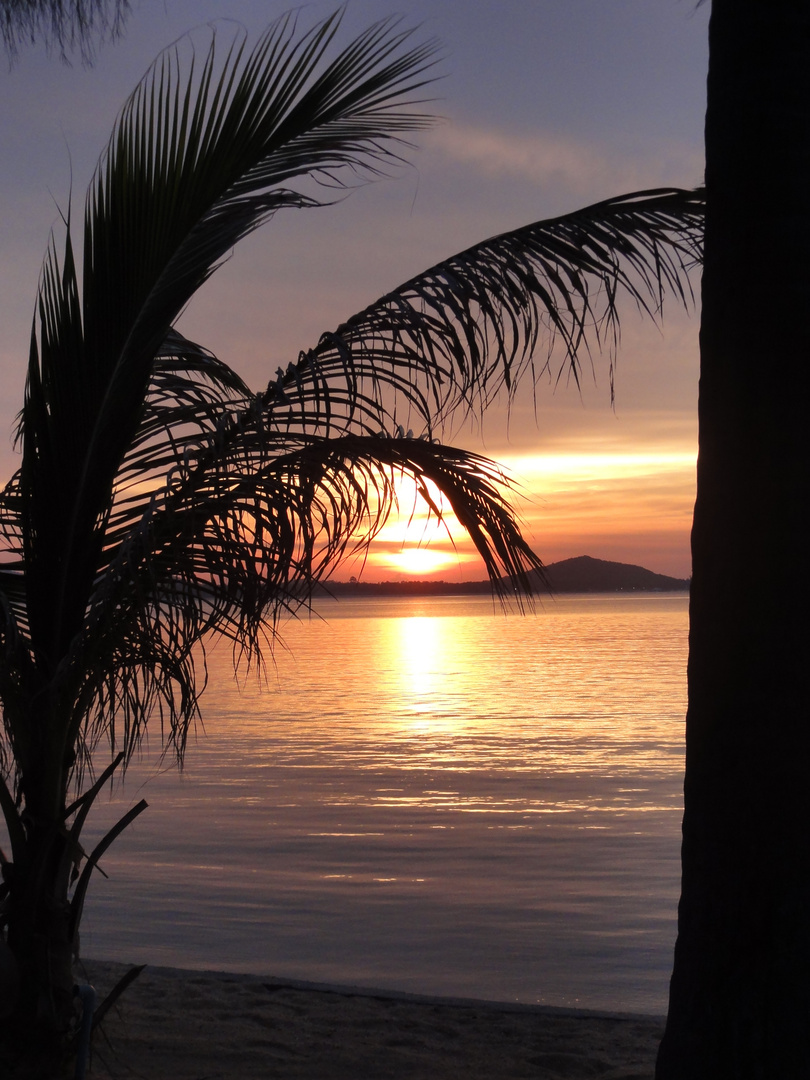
x=550, y=159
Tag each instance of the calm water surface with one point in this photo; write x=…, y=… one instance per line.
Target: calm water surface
x=426, y=795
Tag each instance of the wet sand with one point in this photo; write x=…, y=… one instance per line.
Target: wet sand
x=191, y=1025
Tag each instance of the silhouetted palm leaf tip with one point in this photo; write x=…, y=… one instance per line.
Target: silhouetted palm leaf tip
x=159, y=499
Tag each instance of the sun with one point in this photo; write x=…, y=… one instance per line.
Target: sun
x=421, y=560
x=415, y=542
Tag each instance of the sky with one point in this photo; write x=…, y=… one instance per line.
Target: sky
x=545, y=106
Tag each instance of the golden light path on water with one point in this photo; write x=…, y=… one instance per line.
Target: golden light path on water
x=426, y=795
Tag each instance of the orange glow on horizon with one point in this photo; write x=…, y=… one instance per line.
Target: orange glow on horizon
x=633, y=507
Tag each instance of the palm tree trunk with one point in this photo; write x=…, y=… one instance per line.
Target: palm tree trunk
x=40, y=931
x=40, y=937
x=740, y=992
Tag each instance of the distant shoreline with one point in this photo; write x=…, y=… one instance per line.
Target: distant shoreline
x=360, y=589
x=582, y=574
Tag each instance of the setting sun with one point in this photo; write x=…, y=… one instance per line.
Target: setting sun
x=416, y=542
x=421, y=560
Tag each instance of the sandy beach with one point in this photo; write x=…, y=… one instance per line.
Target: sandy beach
x=193, y=1025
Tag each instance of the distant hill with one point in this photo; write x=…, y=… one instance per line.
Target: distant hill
x=582, y=574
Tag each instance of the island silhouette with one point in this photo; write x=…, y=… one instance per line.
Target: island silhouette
x=582, y=574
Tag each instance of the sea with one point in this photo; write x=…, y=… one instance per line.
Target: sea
x=430, y=795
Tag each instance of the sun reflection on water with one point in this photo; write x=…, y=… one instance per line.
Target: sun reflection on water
x=446, y=686
x=418, y=652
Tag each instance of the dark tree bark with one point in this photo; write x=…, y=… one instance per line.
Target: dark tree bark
x=740, y=992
